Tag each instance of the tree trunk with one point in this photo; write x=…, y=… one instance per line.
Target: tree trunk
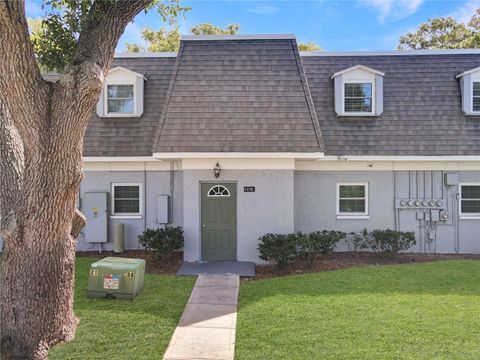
x=39, y=253
x=41, y=139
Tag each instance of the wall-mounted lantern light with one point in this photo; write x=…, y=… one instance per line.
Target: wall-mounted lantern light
x=216, y=170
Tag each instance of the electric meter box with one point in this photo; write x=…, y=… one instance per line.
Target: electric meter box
x=114, y=277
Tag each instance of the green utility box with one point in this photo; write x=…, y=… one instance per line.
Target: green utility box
x=118, y=278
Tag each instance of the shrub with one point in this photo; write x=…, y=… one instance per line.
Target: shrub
x=163, y=240
x=278, y=248
x=357, y=241
x=389, y=242
x=319, y=243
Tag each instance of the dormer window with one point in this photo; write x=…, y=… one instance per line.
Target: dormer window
x=358, y=92
x=122, y=95
x=476, y=96
x=120, y=99
x=470, y=89
x=357, y=97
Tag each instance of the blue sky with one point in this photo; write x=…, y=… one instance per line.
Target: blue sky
x=334, y=25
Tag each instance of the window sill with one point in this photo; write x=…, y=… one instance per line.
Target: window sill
x=126, y=216
x=358, y=115
x=120, y=115
x=353, y=217
x=469, y=217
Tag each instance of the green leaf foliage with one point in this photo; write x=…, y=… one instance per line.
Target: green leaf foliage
x=388, y=242
x=443, y=33
x=165, y=40
x=318, y=243
x=55, y=39
x=310, y=46
x=163, y=240
x=279, y=248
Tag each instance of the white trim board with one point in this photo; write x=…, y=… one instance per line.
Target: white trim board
x=357, y=67
x=238, y=155
x=302, y=165
x=399, y=158
x=239, y=164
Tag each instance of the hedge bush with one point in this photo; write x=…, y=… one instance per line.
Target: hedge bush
x=388, y=242
x=278, y=248
x=319, y=243
x=164, y=241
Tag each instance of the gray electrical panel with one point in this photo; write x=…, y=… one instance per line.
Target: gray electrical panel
x=451, y=179
x=95, y=209
x=163, y=209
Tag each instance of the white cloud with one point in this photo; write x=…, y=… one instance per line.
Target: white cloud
x=264, y=10
x=465, y=12
x=393, y=10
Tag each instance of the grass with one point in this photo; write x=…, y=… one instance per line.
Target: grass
x=124, y=329
x=419, y=311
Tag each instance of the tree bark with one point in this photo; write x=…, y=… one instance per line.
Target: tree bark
x=41, y=138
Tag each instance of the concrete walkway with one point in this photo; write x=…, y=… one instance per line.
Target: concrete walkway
x=208, y=323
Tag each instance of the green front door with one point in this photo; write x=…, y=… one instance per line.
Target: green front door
x=219, y=221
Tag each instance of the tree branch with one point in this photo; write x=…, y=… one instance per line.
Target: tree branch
x=20, y=77
x=83, y=80
x=11, y=170
x=78, y=222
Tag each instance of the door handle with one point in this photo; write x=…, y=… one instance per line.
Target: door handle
x=203, y=225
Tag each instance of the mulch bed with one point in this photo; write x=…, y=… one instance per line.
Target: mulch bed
x=154, y=265
x=343, y=260
x=335, y=261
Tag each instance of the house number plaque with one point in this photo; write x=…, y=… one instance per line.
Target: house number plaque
x=249, y=189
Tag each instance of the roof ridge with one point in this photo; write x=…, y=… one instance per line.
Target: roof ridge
x=166, y=103
x=308, y=97
x=238, y=37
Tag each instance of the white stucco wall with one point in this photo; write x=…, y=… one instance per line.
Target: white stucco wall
x=269, y=209
x=153, y=182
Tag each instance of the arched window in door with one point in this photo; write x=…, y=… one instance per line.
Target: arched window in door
x=218, y=191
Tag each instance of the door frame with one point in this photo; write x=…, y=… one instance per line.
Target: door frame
x=234, y=182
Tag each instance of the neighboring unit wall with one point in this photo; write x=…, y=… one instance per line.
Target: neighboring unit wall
x=315, y=200
x=269, y=209
x=315, y=206
x=154, y=183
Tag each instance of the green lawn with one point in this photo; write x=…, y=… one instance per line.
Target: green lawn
x=419, y=311
x=124, y=329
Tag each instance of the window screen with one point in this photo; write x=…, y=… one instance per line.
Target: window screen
x=352, y=199
x=476, y=96
x=470, y=200
x=126, y=199
x=358, y=97
x=120, y=99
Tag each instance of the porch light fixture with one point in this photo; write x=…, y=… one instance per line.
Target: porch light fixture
x=216, y=170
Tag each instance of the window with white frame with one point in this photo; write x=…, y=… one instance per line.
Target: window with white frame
x=470, y=200
x=358, y=97
x=352, y=199
x=122, y=94
x=358, y=92
x=120, y=99
x=476, y=96
x=126, y=199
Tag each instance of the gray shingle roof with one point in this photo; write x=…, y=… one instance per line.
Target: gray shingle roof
x=250, y=96
x=422, y=111
x=132, y=136
x=238, y=96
